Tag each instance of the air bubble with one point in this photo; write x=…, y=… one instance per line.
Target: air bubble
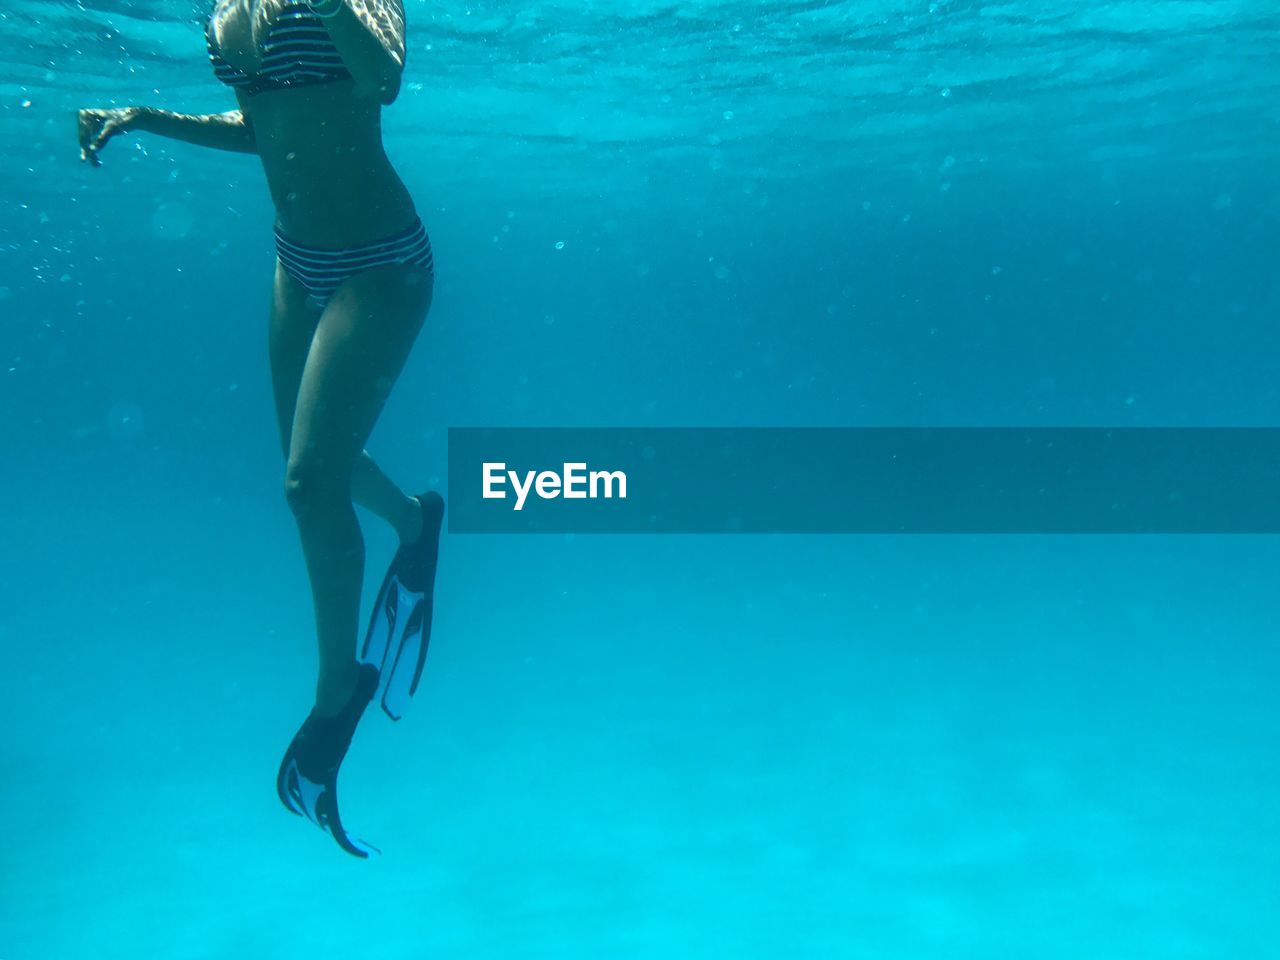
x=124, y=421
x=172, y=221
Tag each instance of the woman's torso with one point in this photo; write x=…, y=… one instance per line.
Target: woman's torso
x=319, y=137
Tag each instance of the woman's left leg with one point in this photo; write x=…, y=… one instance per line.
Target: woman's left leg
x=360, y=346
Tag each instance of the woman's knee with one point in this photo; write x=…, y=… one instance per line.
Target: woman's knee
x=310, y=484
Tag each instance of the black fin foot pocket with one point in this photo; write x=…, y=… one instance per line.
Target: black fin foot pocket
x=307, y=782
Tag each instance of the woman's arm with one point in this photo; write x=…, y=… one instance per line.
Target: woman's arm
x=221, y=131
x=369, y=35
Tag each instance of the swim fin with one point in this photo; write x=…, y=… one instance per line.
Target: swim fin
x=400, y=625
x=308, y=778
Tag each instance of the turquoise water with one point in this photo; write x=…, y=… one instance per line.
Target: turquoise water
x=1026, y=213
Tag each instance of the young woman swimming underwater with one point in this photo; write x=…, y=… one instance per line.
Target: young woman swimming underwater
x=353, y=284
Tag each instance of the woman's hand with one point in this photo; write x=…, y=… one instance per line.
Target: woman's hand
x=96, y=127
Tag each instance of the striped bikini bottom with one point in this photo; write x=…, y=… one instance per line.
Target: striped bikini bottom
x=322, y=270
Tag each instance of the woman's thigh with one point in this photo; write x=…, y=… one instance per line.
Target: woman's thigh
x=292, y=326
x=356, y=353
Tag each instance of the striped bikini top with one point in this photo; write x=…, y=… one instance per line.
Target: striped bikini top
x=297, y=52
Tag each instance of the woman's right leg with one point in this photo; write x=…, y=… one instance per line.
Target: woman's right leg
x=294, y=317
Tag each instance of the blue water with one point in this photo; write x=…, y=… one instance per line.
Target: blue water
x=1022, y=213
